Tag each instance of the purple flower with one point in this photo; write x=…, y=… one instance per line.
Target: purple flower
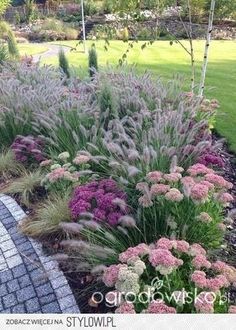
x=28, y=149
x=210, y=158
x=98, y=197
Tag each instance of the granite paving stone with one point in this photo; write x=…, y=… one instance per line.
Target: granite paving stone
x=30, y=281
x=9, y=300
x=32, y=305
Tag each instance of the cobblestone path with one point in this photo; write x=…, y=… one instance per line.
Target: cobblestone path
x=30, y=282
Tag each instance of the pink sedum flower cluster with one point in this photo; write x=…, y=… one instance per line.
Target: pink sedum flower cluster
x=156, y=307
x=168, y=257
x=201, y=184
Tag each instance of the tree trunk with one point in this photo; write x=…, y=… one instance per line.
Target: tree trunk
x=191, y=48
x=206, y=52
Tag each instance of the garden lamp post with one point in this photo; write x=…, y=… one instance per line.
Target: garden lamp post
x=83, y=25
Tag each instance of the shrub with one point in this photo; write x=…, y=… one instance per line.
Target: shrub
x=12, y=46
x=4, y=30
x=4, y=56
x=52, y=29
x=90, y=8
x=93, y=61
x=30, y=8
x=28, y=149
x=172, y=276
x=63, y=63
x=4, y=5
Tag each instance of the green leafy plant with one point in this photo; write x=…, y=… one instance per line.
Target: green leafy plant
x=169, y=276
x=93, y=61
x=4, y=55
x=12, y=46
x=29, y=10
x=4, y=4
x=63, y=62
x=64, y=172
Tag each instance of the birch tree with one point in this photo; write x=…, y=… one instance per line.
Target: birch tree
x=207, y=45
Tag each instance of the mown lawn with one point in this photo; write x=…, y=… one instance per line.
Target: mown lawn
x=32, y=49
x=164, y=60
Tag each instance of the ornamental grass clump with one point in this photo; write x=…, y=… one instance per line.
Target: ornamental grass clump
x=25, y=188
x=47, y=217
x=187, y=206
x=103, y=199
x=9, y=166
x=168, y=276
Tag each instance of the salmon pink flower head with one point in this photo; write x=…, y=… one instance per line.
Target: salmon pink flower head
x=218, y=181
x=159, y=307
x=228, y=271
x=219, y=266
x=208, y=184
x=110, y=275
x=181, y=246
x=174, y=195
x=81, y=159
x=172, y=177
x=164, y=261
x=225, y=198
x=165, y=243
x=199, y=169
x=200, y=261
x=137, y=251
x=196, y=249
x=204, y=302
x=56, y=174
x=145, y=201
x=155, y=176
x=217, y=283
x=45, y=163
x=125, y=308
x=199, y=279
x=199, y=193
x=232, y=309
x=159, y=189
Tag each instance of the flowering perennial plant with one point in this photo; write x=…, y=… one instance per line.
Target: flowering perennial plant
x=184, y=198
x=174, y=275
x=63, y=173
x=103, y=199
x=28, y=149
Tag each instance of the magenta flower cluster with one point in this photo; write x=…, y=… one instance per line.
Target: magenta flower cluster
x=103, y=199
x=211, y=159
x=28, y=149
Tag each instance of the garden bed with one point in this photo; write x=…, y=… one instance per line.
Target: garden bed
x=124, y=184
